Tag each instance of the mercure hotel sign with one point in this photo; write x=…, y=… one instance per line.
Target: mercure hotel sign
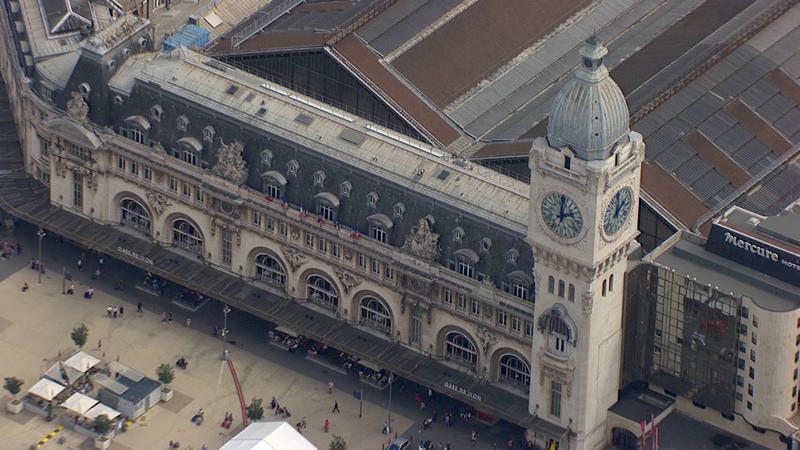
x=754, y=253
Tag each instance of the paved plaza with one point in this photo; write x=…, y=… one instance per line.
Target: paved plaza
x=35, y=327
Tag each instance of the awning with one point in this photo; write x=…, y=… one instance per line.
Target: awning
x=287, y=330
x=191, y=142
x=382, y=219
x=369, y=365
x=328, y=197
x=276, y=176
x=46, y=389
x=99, y=410
x=139, y=121
x=79, y=403
x=62, y=374
x=81, y=361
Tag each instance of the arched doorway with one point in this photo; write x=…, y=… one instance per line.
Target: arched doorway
x=374, y=314
x=187, y=236
x=624, y=439
x=322, y=292
x=460, y=349
x=134, y=215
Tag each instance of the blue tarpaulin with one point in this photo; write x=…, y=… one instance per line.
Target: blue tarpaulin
x=189, y=36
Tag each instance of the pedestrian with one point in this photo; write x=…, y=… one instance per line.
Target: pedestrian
x=163, y=318
x=96, y=275
x=330, y=387
x=139, y=308
x=188, y=322
x=216, y=330
x=80, y=264
x=25, y=286
x=421, y=406
x=430, y=395
x=326, y=425
x=121, y=310
x=273, y=402
x=109, y=311
x=510, y=443
x=115, y=311
x=169, y=317
x=100, y=261
x=99, y=344
x=33, y=263
x=71, y=289
x=474, y=437
x=335, y=407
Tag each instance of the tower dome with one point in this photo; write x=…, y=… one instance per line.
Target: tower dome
x=589, y=114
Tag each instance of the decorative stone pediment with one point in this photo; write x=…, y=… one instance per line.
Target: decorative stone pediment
x=349, y=281
x=554, y=313
x=556, y=370
x=293, y=257
x=230, y=164
x=78, y=109
x=421, y=241
x=158, y=203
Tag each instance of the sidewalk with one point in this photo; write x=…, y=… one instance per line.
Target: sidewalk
x=264, y=370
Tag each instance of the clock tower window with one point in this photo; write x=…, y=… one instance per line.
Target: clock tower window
x=603, y=292
x=561, y=287
x=611, y=282
x=551, y=284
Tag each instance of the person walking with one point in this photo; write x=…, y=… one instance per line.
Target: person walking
x=71, y=289
x=335, y=409
x=188, y=322
x=330, y=387
x=80, y=264
x=121, y=310
x=474, y=437
x=25, y=286
x=139, y=308
x=326, y=425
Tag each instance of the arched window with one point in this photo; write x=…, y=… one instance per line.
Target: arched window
x=292, y=167
x=611, y=282
x=322, y=292
x=375, y=315
x=135, y=215
x=344, y=189
x=558, y=337
x=372, y=199
x=266, y=159
x=512, y=256
x=460, y=349
x=571, y=292
x=604, y=288
x=208, y=133
x=186, y=236
x=269, y=269
x=514, y=371
x=458, y=234
x=551, y=284
x=319, y=178
x=398, y=210
x=518, y=284
x=156, y=113
x=182, y=123
x=485, y=245
x=561, y=288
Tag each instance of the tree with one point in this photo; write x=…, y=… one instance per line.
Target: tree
x=255, y=410
x=102, y=424
x=80, y=335
x=338, y=443
x=13, y=386
x=165, y=374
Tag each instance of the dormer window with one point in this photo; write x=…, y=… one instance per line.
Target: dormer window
x=567, y=162
x=319, y=178
x=464, y=261
x=182, y=123
x=372, y=200
x=156, y=112
x=266, y=159
x=273, y=183
x=519, y=285
x=485, y=245
x=379, y=226
x=458, y=234
x=399, y=209
x=208, y=134
x=327, y=205
x=512, y=256
x=344, y=189
x=292, y=167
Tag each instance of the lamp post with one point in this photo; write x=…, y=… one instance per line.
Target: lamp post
x=225, y=311
x=64, y=280
x=41, y=233
x=360, y=402
x=391, y=381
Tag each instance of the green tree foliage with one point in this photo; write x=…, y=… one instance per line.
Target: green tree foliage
x=165, y=374
x=13, y=385
x=255, y=410
x=338, y=443
x=79, y=335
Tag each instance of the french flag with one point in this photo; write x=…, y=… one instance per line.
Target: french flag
x=354, y=233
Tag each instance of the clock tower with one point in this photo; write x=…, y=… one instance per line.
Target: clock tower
x=583, y=208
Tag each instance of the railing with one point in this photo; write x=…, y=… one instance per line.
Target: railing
x=264, y=21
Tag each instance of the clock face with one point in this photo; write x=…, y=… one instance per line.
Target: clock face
x=562, y=215
x=617, y=211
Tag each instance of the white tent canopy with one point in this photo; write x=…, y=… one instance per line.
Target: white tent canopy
x=60, y=373
x=46, y=389
x=81, y=361
x=79, y=403
x=100, y=409
x=268, y=436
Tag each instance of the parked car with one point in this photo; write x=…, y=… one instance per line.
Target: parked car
x=400, y=443
x=425, y=444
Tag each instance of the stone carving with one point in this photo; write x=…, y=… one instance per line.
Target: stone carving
x=558, y=374
x=158, y=148
x=421, y=241
x=230, y=164
x=588, y=303
x=488, y=282
x=487, y=338
x=293, y=257
x=78, y=110
x=348, y=280
x=158, y=203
